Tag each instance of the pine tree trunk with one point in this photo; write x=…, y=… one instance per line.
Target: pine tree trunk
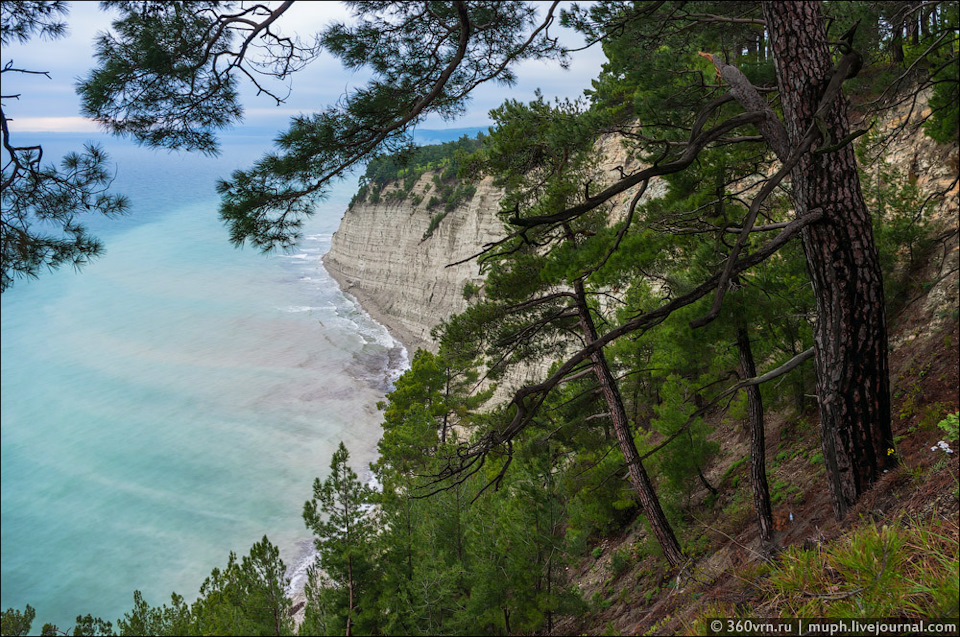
x=446, y=411
x=896, y=48
x=621, y=426
x=913, y=30
x=350, y=595
x=758, y=448
x=850, y=335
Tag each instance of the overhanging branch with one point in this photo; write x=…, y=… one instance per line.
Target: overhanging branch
x=527, y=400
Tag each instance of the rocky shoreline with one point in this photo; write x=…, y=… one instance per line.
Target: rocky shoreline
x=368, y=302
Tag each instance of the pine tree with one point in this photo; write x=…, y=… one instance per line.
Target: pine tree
x=339, y=516
x=245, y=598
x=42, y=204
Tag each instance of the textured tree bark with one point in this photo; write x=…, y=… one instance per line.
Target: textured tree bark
x=850, y=335
x=350, y=595
x=621, y=426
x=758, y=448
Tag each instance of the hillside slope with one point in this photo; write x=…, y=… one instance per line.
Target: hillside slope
x=382, y=256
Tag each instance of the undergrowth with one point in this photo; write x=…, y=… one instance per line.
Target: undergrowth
x=905, y=569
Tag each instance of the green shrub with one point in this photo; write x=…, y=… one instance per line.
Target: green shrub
x=470, y=290
x=950, y=426
x=620, y=561
x=905, y=569
x=434, y=223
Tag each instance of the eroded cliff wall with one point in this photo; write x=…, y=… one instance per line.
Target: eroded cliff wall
x=380, y=256
x=404, y=279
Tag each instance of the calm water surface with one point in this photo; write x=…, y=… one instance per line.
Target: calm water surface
x=175, y=400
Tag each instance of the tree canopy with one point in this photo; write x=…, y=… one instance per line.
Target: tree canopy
x=684, y=79
x=759, y=253
x=42, y=203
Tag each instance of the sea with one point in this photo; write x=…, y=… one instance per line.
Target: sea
x=174, y=400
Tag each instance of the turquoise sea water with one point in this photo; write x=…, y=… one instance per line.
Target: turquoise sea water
x=175, y=400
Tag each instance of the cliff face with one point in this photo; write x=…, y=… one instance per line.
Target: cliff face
x=380, y=256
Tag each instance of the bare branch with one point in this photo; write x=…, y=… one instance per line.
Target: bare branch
x=786, y=368
x=697, y=144
x=528, y=400
x=709, y=17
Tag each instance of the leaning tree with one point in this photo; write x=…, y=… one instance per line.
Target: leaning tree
x=167, y=75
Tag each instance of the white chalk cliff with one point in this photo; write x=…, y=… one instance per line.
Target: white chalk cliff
x=405, y=281
x=380, y=256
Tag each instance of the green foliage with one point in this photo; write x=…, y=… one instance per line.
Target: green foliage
x=155, y=51
x=342, y=525
x=900, y=230
x=394, y=176
x=245, y=598
x=951, y=426
x=434, y=221
x=620, y=561
x=13, y=622
x=144, y=619
x=43, y=203
x=403, y=170
x=471, y=289
x=929, y=49
x=732, y=470
x=944, y=123
x=537, y=153
x=782, y=491
x=322, y=601
x=682, y=460
x=89, y=625
x=597, y=504
x=427, y=401
x=897, y=570
x=454, y=562
x=940, y=48
x=26, y=20
x=640, y=82
x=816, y=458
x=41, y=198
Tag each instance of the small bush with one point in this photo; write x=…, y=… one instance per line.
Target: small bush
x=434, y=223
x=470, y=290
x=620, y=561
x=906, y=569
x=950, y=426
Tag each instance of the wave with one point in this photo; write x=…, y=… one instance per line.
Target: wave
x=307, y=555
x=299, y=256
x=297, y=309
x=394, y=359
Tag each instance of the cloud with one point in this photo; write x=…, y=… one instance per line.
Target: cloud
x=53, y=125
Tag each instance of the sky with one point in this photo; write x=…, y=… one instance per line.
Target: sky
x=51, y=105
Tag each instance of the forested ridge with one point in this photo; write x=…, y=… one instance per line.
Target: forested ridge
x=751, y=409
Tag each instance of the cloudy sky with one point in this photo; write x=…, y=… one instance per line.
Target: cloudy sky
x=51, y=105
